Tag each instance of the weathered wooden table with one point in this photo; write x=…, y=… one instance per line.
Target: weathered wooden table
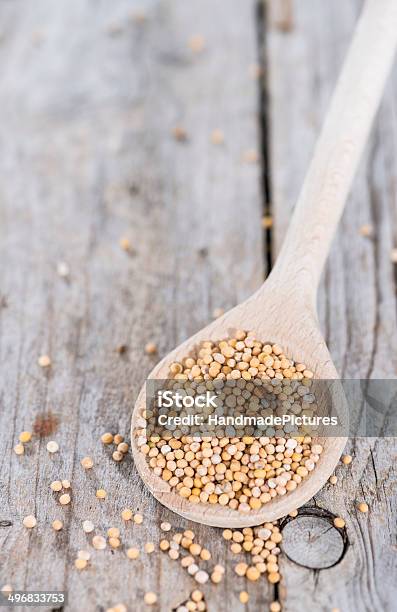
x=89, y=94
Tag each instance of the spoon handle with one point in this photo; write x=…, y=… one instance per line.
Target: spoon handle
x=337, y=153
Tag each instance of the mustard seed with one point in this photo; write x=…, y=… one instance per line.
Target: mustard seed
x=267, y=222
x=150, y=598
x=196, y=43
x=101, y=494
x=275, y=606
x=113, y=532
x=19, y=449
x=114, y=542
x=333, y=479
x=66, y=484
x=44, y=361
x=165, y=526
x=125, y=244
x=99, y=542
x=80, y=564
x=122, y=447
x=149, y=547
x=29, y=521
x=151, y=348
x=84, y=554
x=64, y=500
x=339, y=522
x=87, y=463
x=132, y=553
x=57, y=525
x=138, y=519
x=347, y=459
x=107, y=438
x=179, y=133
x=244, y=597
x=25, y=436
x=363, y=507
x=217, y=137
x=118, y=439
x=126, y=514
x=201, y=577
x=164, y=545
x=117, y=456
x=88, y=526
x=241, y=569
x=216, y=577
x=52, y=447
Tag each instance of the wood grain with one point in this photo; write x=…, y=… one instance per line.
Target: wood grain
x=90, y=94
x=357, y=294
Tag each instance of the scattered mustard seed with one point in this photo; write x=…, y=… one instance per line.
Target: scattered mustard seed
x=333, y=479
x=216, y=577
x=56, y=485
x=87, y=463
x=347, y=459
x=101, y=493
x=88, y=526
x=293, y=513
x=64, y=500
x=25, y=436
x=217, y=137
x=19, y=449
x=118, y=439
x=63, y=269
x=275, y=606
x=29, y=521
x=165, y=526
x=107, y=438
x=122, y=447
x=117, y=456
x=84, y=554
x=267, y=222
x=57, y=525
x=179, y=133
x=66, y=484
x=138, y=519
x=150, y=598
x=99, y=542
x=113, y=532
x=366, y=230
x=80, y=564
x=363, y=507
x=244, y=597
x=126, y=514
x=52, y=446
x=132, y=553
x=196, y=43
x=125, y=244
x=114, y=542
x=44, y=361
x=339, y=522
x=151, y=348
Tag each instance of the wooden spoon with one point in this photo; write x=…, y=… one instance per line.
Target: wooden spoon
x=283, y=310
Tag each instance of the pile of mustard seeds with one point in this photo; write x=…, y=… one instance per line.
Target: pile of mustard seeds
x=242, y=469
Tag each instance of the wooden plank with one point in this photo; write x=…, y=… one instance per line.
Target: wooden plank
x=90, y=93
x=357, y=298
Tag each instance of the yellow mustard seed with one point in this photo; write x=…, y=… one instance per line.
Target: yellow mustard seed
x=87, y=463
x=151, y=348
x=125, y=244
x=99, y=542
x=107, y=438
x=84, y=554
x=66, y=484
x=275, y=606
x=244, y=597
x=52, y=446
x=165, y=526
x=114, y=542
x=101, y=494
x=149, y=547
x=80, y=564
x=19, y=449
x=333, y=479
x=64, y=500
x=25, y=436
x=57, y=525
x=117, y=456
x=179, y=133
x=122, y=447
x=363, y=507
x=164, y=545
x=216, y=577
x=347, y=459
x=196, y=43
x=132, y=553
x=113, y=532
x=217, y=137
x=44, y=361
x=339, y=522
x=29, y=521
x=118, y=439
x=88, y=526
x=267, y=221
x=126, y=514
x=138, y=519
x=150, y=598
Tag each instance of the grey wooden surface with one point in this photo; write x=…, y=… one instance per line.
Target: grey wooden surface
x=89, y=95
